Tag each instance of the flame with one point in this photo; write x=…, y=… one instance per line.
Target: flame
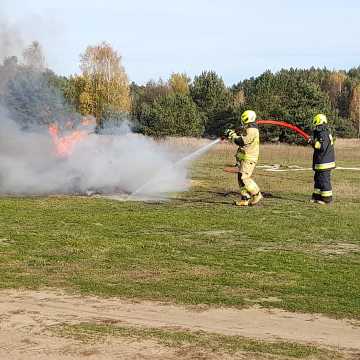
x=89, y=121
x=64, y=145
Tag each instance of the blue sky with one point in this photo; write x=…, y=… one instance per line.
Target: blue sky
x=237, y=39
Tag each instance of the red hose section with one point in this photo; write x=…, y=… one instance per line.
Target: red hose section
x=287, y=125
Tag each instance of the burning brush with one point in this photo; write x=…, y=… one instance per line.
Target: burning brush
x=65, y=144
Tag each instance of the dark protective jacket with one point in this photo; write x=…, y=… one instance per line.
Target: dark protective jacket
x=324, y=153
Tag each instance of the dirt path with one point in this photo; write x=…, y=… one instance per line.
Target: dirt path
x=25, y=314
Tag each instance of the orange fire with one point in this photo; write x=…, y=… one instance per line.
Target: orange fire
x=64, y=145
x=88, y=121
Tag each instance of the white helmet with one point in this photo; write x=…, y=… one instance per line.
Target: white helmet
x=248, y=116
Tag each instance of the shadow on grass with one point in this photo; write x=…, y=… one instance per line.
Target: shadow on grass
x=211, y=199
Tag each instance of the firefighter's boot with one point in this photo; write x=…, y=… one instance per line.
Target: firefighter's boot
x=242, y=202
x=255, y=199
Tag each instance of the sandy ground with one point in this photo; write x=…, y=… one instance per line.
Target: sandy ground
x=25, y=317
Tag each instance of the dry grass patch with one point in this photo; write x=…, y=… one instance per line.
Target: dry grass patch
x=337, y=249
x=200, y=345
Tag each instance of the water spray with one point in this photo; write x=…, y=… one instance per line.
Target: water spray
x=184, y=160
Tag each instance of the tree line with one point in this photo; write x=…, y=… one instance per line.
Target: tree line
x=178, y=106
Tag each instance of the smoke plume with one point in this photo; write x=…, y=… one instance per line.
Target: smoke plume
x=11, y=41
x=33, y=160
x=121, y=163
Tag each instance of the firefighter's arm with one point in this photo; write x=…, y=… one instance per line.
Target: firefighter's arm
x=319, y=143
x=315, y=143
x=233, y=137
x=240, y=140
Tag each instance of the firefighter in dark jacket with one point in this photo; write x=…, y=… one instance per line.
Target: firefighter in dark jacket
x=323, y=160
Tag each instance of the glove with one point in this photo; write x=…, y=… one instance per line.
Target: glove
x=231, y=134
x=310, y=141
x=226, y=133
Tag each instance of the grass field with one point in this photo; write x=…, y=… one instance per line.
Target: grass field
x=198, y=248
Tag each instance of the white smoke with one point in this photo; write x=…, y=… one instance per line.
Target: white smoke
x=104, y=163
x=118, y=161
x=11, y=41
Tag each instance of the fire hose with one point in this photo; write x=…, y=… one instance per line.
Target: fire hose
x=277, y=123
x=286, y=125
x=292, y=127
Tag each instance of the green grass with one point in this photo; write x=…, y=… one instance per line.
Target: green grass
x=197, y=248
x=89, y=332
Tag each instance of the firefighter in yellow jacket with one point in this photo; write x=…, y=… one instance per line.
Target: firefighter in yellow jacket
x=246, y=158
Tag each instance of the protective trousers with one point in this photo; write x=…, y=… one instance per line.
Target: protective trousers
x=322, y=186
x=248, y=186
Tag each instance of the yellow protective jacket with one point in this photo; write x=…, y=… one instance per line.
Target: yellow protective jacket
x=249, y=144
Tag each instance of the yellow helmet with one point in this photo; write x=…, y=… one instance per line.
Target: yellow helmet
x=319, y=119
x=248, y=116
